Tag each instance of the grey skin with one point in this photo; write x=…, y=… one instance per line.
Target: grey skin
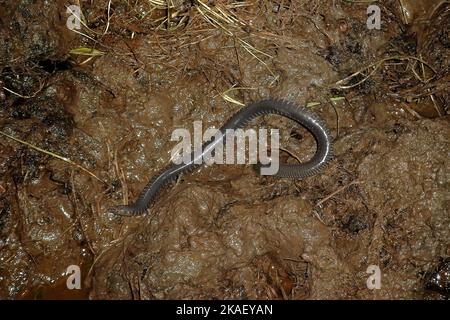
x=295, y=171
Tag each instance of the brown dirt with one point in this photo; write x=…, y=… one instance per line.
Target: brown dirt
x=223, y=231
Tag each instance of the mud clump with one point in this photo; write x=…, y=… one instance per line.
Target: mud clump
x=438, y=280
x=33, y=31
x=205, y=235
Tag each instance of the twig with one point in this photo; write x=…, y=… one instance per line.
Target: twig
x=336, y=192
x=291, y=154
x=77, y=214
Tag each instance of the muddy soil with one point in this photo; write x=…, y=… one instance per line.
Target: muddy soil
x=86, y=118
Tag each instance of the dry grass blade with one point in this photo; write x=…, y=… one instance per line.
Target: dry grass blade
x=222, y=18
x=25, y=96
x=344, y=83
x=291, y=154
x=361, y=1
x=336, y=192
x=316, y=103
x=225, y=95
x=54, y=155
x=109, y=18
x=87, y=52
